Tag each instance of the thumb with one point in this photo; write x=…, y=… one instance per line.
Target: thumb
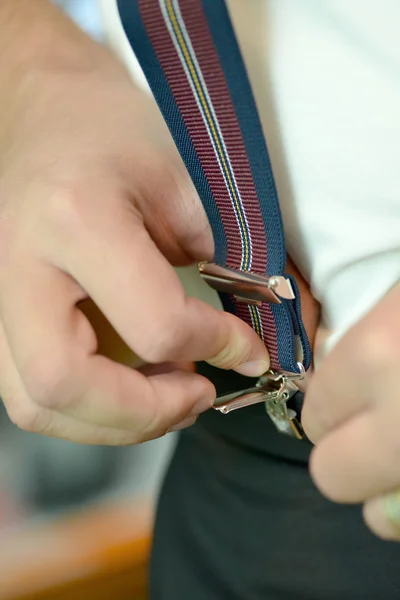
x=173, y=213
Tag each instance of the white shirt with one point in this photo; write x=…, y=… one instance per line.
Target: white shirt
x=326, y=76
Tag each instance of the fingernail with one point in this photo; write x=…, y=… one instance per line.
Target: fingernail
x=254, y=368
x=184, y=424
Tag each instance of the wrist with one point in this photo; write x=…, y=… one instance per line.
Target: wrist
x=36, y=35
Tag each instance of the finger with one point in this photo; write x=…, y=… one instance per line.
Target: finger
x=358, y=460
x=26, y=415
x=178, y=224
x=337, y=391
x=72, y=430
x=382, y=515
x=149, y=405
x=20, y=408
x=54, y=347
x=144, y=300
x=168, y=368
x=350, y=378
x=188, y=422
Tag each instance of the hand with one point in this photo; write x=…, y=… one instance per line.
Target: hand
x=95, y=202
x=352, y=414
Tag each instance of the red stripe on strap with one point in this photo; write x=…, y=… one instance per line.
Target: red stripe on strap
x=270, y=335
x=210, y=65
x=176, y=76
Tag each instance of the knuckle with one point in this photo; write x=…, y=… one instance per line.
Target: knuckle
x=230, y=356
x=66, y=208
x=121, y=438
x=167, y=341
x=25, y=416
x=48, y=381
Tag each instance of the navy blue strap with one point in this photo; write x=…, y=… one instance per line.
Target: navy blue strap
x=191, y=59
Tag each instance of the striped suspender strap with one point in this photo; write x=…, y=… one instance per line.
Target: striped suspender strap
x=190, y=57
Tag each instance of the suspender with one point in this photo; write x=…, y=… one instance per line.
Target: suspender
x=191, y=59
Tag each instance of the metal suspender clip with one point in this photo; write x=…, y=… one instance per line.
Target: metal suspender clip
x=272, y=388
x=245, y=286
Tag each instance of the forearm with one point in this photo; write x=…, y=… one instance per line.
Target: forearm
x=40, y=47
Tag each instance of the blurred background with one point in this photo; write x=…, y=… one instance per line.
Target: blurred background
x=75, y=521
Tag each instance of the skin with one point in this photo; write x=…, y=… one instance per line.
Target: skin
x=351, y=413
x=95, y=204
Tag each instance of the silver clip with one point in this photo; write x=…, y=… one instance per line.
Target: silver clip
x=284, y=418
x=274, y=389
x=265, y=389
x=245, y=286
